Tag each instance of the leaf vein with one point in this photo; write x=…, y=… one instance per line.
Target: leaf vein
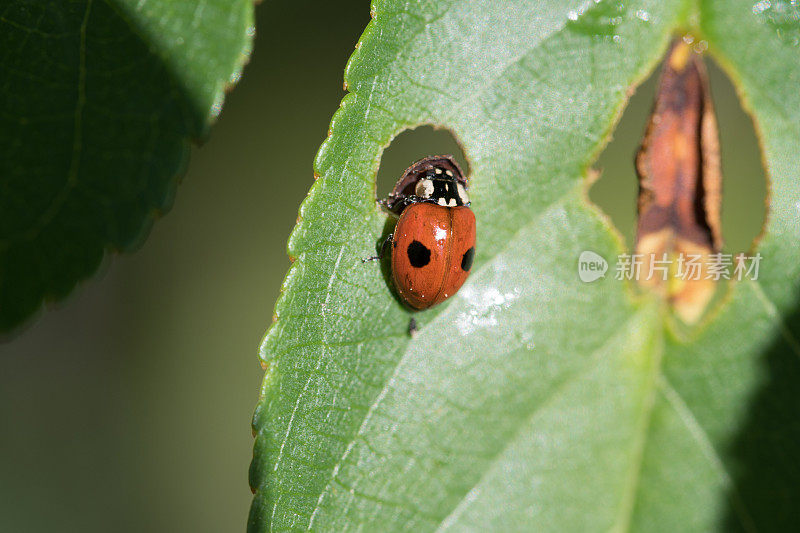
x=772, y=311
x=592, y=361
x=708, y=450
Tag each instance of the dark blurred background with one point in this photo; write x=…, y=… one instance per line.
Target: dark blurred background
x=127, y=408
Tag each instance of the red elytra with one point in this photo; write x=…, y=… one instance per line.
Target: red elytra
x=432, y=251
x=433, y=244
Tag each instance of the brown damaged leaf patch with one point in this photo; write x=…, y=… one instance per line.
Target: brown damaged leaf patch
x=680, y=185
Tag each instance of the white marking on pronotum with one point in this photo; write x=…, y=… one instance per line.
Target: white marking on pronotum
x=424, y=188
x=449, y=173
x=442, y=202
x=462, y=194
x=452, y=202
x=438, y=170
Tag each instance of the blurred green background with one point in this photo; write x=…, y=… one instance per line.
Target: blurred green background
x=128, y=407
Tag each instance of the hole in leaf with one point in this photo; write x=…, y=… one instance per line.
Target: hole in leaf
x=744, y=185
x=411, y=146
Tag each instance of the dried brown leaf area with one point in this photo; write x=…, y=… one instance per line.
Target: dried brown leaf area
x=679, y=187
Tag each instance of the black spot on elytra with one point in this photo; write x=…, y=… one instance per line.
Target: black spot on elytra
x=418, y=254
x=466, y=261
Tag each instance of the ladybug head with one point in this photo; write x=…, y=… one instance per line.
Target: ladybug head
x=435, y=179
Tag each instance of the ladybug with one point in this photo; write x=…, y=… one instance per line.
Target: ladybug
x=433, y=243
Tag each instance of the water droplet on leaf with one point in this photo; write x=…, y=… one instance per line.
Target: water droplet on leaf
x=783, y=16
x=600, y=20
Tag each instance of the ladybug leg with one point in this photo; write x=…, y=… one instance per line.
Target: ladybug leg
x=412, y=328
x=384, y=246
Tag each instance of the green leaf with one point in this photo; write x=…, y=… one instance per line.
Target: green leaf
x=530, y=400
x=99, y=101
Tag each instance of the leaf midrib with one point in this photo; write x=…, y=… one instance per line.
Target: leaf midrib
x=47, y=215
x=628, y=501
